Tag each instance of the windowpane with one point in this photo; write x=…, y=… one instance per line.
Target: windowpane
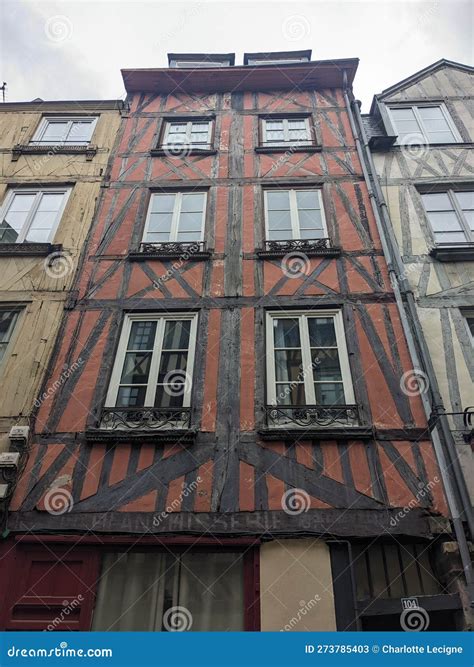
x=329, y=393
x=322, y=332
x=275, y=135
x=189, y=237
x=176, y=335
x=437, y=202
x=307, y=199
x=170, y=395
x=170, y=362
x=326, y=365
x=142, y=336
x=288, y=365
x=431, y=113
x=8, y=320
x=136, y=368
x=465, y=199
x=131, y=397
x=192, y=202
x=80, y=132
x=278, y=200
x=50, y=202
x=450, y=237
x=290, y=394
x=280, y=235
x=296, y=124
x=162, y=203
x=310, y=219
x=279, y=220
x=38, y=235
x=55, y=131
x=160, y=222
x=286, y=332
x=446, y=137
x=190, y=222
x=444, y=221
x=155, y=237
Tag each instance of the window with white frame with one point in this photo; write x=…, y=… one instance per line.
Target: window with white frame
x=292, y=131
x=431, y=123
x=175, y=217
x=154, y=363
x=451, y=216
x=199, y=63
x=8, y=319
x=276, y=61
x=192, y=133
x=55, y=131
x=307, y=360
x=32, y=215
x=294, y=214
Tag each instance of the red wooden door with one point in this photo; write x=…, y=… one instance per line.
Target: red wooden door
x=50, y=588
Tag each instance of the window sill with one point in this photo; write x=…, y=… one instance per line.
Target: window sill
x=54, y=149
x=186, y=251
x=308, y=247
x=464, y=252
x=28, y=249
x=288, y=148
x=184, y=151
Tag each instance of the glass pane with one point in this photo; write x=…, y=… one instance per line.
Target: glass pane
x=131, y=397
x=278, y=200
x=22, y=202
x=403, y=114
x=177, y=335
x=199, y=138
x=444, y=221
x=436, y=125
x=274, y=124
x=177, y=128
x=288, y=365
x=312, y=233
x=11, y=227
x=326, y=365
x=81, y=132
x=307, y=199
x=296, y=124
x=290, y=394
x=142, y=336
x=171, y=365
x=282, y=235
x=162, y=203
x=465, y=199
x=189, y=236
x=429, y=113
x=50, y=202
x=190, y=222
x=450, y=237
x=279, y=220
x=155, y=237
x=136, y=368
x=275, y=135
x=38, y=235
x=7, y=322
x=310, y=219
x=43, y=220
x=438, y=201
x=322, y=332
x=160, y=222
x=200, y=127
x=55, y=131
x=440, y=137
x=286, y=332
x=329, y=393
x=469, y=215
x=192, y=202
x=298, y=135
x=169, y=396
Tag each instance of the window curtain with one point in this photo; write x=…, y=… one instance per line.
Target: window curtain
x=137, y=589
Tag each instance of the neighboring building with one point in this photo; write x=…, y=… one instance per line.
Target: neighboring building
x=238, y=445
x=421, y=132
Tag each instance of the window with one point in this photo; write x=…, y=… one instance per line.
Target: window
x=469, y=317
x=294, y=214
x=432, y=124
x=293, y=131
x=199, y=63
x=192, y=133
x=63, y=131
x=166, y=591
x=307, y=361
x=451, y=216
x=8, y=319
x=175, y=217
x=276, y=61
x=32, y=215
x=154, y=362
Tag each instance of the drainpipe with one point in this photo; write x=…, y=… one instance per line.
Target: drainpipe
x=457, y=497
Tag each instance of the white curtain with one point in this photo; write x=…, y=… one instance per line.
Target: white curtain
x=137, y=589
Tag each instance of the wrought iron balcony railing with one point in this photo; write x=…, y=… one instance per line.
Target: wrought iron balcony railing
x=145, y=419
x=183, y=250
x=311, y=416
x=309, y=247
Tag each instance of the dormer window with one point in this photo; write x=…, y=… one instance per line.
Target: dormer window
x=200, y=60
x=277, y=58
x=428, y=123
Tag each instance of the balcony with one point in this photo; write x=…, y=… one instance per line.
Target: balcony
x=309, y=247
x=313, y=421
x=169, y=424
x=184, y=250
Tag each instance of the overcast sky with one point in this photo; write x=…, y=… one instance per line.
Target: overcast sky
x=74, y=49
